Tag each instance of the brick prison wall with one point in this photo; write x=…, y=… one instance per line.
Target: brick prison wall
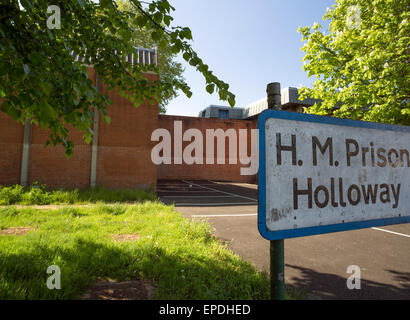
x=221, y=172
x=123, y=152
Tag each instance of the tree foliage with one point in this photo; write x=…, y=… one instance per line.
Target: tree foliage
x=361, y=63
x=40, y=81
x=171, y=71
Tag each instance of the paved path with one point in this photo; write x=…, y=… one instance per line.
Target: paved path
x=317, y=264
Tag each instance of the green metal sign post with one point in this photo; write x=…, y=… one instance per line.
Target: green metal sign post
x=277, y=247
x=292, y=183
x=277, y=269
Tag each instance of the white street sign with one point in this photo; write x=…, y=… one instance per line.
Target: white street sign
x=324, y=174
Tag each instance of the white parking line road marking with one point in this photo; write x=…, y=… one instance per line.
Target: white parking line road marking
x=399, y=234
x=223, y=215
x=255, y=214
x=254, y=201
x=162, y=190
x=253, y=186
x=210, y=204
x=181, y=185
x=196, y=196
x=231, y=194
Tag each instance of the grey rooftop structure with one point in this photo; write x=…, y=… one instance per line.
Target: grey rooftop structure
x=289, y=100
x=221, y=112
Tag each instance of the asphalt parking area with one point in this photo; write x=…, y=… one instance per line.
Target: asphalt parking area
x=316, y=264
x=206, y=193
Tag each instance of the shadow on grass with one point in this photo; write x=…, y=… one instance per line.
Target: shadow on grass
x=331, y=286
x=176, y=276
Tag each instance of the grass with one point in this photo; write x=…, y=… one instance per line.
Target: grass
x=41, y=195
x=179, y=256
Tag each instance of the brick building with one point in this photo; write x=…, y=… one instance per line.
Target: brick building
x=120, y=153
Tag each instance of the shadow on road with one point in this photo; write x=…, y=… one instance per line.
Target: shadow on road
x=189, y=193
x=331, y=286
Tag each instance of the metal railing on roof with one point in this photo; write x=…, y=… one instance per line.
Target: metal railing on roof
x=141, y=56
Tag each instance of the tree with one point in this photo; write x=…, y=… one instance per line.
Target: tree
x=40, y=81
x=169, y=69
x=361, y=63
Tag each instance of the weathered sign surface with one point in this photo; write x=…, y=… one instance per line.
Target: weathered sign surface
x=323, y=174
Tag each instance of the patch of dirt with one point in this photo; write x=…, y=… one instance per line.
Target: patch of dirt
x=16, y=231
x=224, y=242
x=127, y=290
x=126, y=237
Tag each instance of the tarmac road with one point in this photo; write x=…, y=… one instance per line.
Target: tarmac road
x=316, y=265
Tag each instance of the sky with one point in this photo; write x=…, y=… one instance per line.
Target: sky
x=247, y=44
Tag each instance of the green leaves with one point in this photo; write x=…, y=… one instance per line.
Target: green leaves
x=46, y=87
x=185, y=33
x=231, y=101
x=210, y=88
x=167, y=20
x=158, y=14
x=155, y=35
x=40, y=80
x=361, y=64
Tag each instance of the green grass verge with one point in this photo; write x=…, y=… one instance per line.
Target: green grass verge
x=41, y=195
x=181, y=257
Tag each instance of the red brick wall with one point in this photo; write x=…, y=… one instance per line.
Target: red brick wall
x=222, y=172
x=11, y=147
x=124, y=147
x=124, y=150
x=49, y=165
